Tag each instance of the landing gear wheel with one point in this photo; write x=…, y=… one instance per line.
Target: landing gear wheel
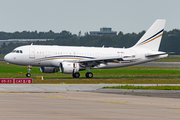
x=76, y=75
x=29, y=70
x=89, y=75
x=28, y=75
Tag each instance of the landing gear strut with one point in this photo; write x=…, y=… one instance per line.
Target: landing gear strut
x=89, y=74
x=29, y=70
x=76, y=75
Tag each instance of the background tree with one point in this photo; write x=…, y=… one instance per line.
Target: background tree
x=170, y=40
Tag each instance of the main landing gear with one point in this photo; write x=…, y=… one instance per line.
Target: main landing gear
x=29, y=70
x=88, y=74
x=77, y=75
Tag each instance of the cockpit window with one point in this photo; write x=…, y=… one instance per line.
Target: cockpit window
x=13, y=51
x=17, y=51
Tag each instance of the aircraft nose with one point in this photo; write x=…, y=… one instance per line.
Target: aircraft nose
x=7, y=57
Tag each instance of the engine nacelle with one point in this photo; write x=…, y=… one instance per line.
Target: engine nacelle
x=49, y=69
x=69, y=67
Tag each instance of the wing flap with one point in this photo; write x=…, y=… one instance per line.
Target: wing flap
x=100, y=60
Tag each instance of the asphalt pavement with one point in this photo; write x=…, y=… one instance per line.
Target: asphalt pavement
x=83, y=102
x=98, y=88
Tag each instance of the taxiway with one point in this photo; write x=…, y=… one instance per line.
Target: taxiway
x=80, y=102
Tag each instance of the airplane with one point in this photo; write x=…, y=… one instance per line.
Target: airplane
x=71, y=60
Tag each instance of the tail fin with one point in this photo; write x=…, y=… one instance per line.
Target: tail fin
x=152, y=38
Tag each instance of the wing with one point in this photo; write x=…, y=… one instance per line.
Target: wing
x=98, y=61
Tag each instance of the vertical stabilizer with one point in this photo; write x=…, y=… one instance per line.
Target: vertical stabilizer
x=152, y=38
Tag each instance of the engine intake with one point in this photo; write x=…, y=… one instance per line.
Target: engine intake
x=68, y=67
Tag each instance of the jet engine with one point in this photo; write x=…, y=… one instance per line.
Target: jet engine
x=69, y=67
x=49, y=69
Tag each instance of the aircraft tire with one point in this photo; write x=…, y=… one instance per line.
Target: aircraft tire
x=28, y=75
x=76, y=75
x=89, y=75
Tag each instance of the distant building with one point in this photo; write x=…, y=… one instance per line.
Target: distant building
x=103, y=31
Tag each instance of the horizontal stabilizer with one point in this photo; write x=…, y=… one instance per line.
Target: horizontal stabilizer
x=155, y=54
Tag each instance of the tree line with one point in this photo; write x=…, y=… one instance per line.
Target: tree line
x=170, y=40
x=31, y=35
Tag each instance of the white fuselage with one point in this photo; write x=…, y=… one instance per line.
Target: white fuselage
x=52, y=56
x=70, y=60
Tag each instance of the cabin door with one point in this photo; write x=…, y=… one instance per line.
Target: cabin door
x=31, y=53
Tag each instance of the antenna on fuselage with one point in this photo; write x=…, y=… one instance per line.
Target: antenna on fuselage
x=31, y=43
x=103, y=46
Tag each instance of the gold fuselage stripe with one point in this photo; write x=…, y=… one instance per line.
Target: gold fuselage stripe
x=151, y=40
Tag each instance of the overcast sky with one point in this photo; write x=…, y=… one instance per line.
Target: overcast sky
x=87, y=15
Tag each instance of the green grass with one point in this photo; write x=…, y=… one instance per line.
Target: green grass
x=130, y=74
x=10, y=70
x=107, y=81
x=114, y=75
x=146, y=87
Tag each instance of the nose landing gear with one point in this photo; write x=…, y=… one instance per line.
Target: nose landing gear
x=29, y=70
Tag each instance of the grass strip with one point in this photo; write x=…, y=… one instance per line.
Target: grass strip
x=145, y=87
x=107, y=81
x=16, y=71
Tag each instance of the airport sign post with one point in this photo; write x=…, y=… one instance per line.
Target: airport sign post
x=23, y=81
x=6, y=81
